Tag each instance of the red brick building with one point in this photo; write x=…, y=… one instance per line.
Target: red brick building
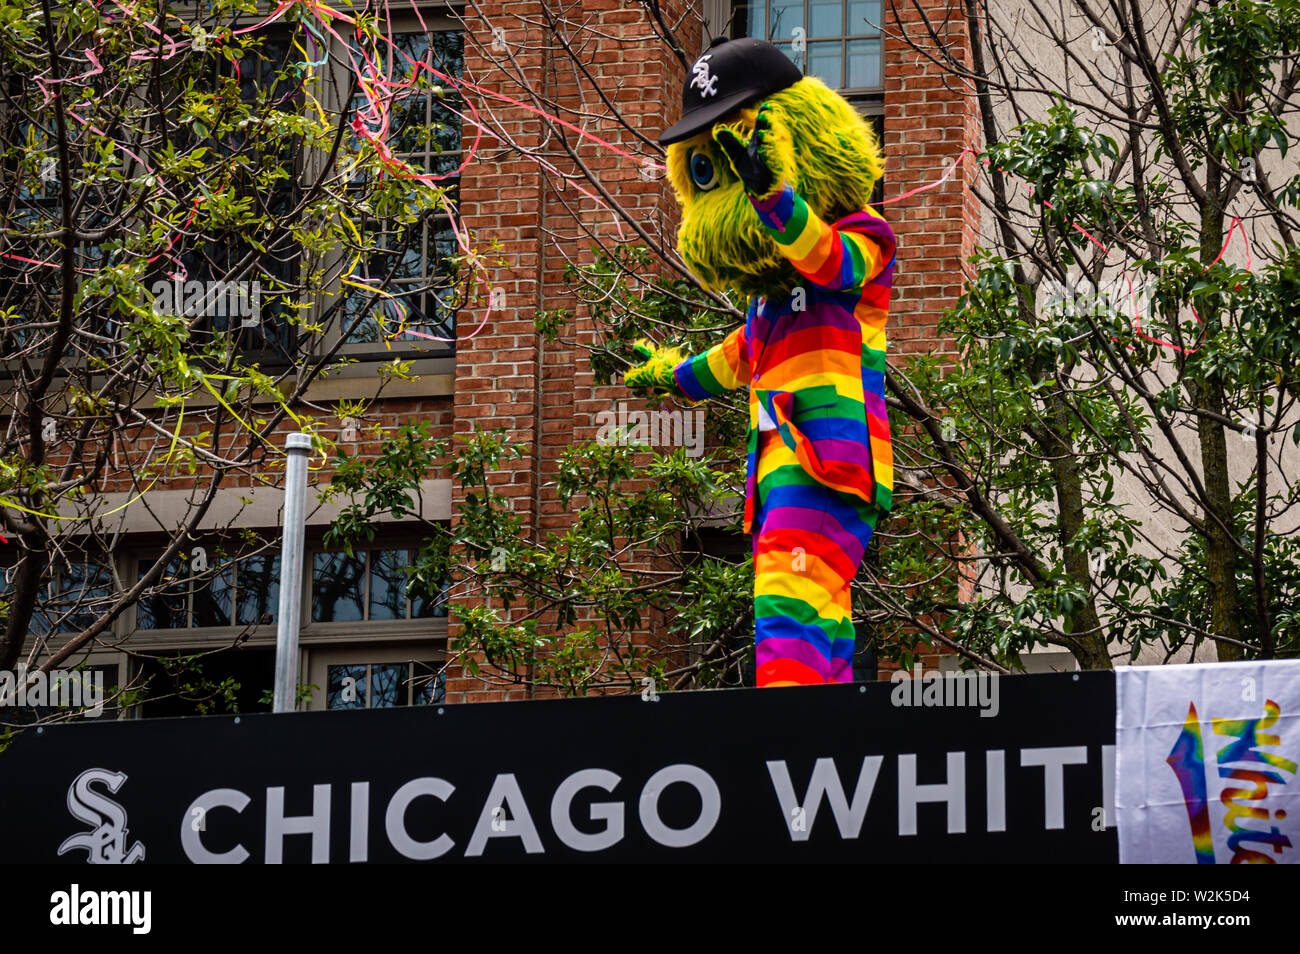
x=926, y=122
x=363, y=643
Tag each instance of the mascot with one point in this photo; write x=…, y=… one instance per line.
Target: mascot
x=773, y=172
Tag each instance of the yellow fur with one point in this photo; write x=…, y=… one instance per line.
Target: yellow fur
x=818, y=143
x=656, y=372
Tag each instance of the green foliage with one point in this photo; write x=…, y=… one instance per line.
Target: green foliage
x=301, y=696
x=1074, y=477
x=1061, y=414
x=207, y=695
x=227, y=162
x=568, y=609
x=565, y=610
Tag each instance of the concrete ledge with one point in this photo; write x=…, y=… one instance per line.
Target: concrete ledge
x=165, y=510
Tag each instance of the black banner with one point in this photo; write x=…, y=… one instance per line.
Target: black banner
x=943, y=769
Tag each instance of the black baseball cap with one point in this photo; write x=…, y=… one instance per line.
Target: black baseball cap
x=729, y=75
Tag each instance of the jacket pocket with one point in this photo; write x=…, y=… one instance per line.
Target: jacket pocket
x=815, y=401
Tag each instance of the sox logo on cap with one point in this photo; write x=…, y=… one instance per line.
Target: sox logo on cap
x=707, y=83
x=730, y=75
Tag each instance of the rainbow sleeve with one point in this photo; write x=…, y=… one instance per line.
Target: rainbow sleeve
x=724, y=367
x=828, y=257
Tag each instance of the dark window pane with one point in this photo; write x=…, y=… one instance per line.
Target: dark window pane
x=388, y=683
x=388, y=584
x=398, y=269
x=232, y=680
x=257, y=590
x=424, y=131
x=165, y=609
x=262, y=327
x=449, y=59
x=415, y=46
x=83, y=589
x=368, y=328
x=98, y=684
x=444, y=131
x=212, y=596
x=409, y=133
x=445, y=164
x=422, y=608
x=336, y=588
x=428, y=684
x=865, y=667
x=346, y=687
x=85, y=688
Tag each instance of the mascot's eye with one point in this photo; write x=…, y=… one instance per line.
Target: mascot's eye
x=702, y=171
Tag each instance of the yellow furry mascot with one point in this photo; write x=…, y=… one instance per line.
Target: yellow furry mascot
x=774, y=172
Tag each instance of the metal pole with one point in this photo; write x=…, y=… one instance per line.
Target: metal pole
x=297, y=446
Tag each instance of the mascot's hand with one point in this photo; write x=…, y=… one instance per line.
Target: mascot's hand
x=747, y=157
x=655, y=373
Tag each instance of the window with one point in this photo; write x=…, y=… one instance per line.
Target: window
x=409, y=260
x=368, y=586
x=376, y=677
x=728, y=661
x=383, y=685
x=246, y=306
x=866, y=665
x=208, y=588
x=838, y=41
x=32, y=290
x=83, y=590
x=30, y=274
x=212, y=591
x=75, y=593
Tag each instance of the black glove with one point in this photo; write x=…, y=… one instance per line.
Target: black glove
x=747, y=158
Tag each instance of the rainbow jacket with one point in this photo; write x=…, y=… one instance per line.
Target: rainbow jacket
x=814, y=362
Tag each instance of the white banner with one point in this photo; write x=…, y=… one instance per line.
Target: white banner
x=1206, y=763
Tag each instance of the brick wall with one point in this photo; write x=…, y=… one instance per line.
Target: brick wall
x=544, y=393
x=930, y=117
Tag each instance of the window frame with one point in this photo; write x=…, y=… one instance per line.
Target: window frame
x=309, y=619
x=740, y=28
x=413, y=629
x=330, y=304
x=274, y=340
x=318, y=661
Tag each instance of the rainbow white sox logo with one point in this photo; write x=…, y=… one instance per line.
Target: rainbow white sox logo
x=1247, y=782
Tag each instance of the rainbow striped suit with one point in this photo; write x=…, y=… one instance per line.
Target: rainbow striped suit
x=820, y=468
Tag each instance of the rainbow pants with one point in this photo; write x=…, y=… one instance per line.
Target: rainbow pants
x=808, y=544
